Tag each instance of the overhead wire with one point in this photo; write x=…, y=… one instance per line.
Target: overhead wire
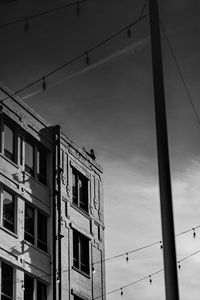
x=78, y=57
x=130, y=284
x=132, y=48
x=117, y=289
x=180, y=73
x=145, y=277
x=145, y=246
x=122, y=254
x=52, y=10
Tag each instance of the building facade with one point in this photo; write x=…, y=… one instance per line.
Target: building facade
x=51, y=211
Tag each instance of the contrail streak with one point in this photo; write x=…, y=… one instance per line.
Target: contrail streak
x=128, y=50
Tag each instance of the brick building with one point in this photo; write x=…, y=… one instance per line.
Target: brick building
x=51, y=211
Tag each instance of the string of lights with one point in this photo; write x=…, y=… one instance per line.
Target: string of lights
x=148, y=246
x=180, y=73
x=85, y=54
x=46, y=12
x=122, y=288
x=130, y=284
x=149, y=277
x=116, y=256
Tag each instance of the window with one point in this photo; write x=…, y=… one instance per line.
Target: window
x=29, y=287
x=42, y=165
x=36, y=161
x=79, y=190
x=42, y=231
x=35, y=227
x=6, y=282
x=41, y=291
x=8, y=211
x=29, y=158
x=80, y=252
x=33, y=287
x=29, y=223
x=77, y=298
x=9, y=142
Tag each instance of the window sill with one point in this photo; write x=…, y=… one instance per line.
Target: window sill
x=36, y=248
x=83, y=212
x=81, y=272
x=9, y=232
x=10, y=161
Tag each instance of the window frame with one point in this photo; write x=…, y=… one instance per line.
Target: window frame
x=27, y=205
x=43, y=243
x=79, y=241
x=39, y=282
x=77, y=297
x=6, y=296
x=36, y=284
x=14, y=197
x=37, y=211
x=33, y=282
x=80, y=181
x=35, y=171
x=27, y=168
x=12, y=157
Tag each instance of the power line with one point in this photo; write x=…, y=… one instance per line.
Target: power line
x=46, y=12
x=75, y=59
x=180, y=73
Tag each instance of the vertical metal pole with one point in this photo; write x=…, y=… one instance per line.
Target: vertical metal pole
x=54, y=215
x=59, y=236
x=169, y=250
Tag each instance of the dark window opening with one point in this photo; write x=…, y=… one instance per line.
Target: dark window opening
x=29, y=287
x=77, y=298
x=42, y=165
x=8, y=211
x=41, y=291
x=6, y=282
x=42, y=231
x=36, y=160
x=21, y=150
x=29, y=224
x=99, y=232
x=80, y=252
x=9, y=142
x=29, y=158
x=79, y=190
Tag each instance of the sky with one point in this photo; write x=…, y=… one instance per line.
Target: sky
x=109, y=106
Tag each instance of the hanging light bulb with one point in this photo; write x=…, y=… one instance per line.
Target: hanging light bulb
x=87, y=59
x=58, y=278
x=129, y=32
x=161, y=245
x=127, y=258
x=26, y=25
x=93, y=269
x=23, y=288
x=77, y=9
x=194, y=233
x=44, y=83
x=150, y=279
x=179, y=265
x=122, y=293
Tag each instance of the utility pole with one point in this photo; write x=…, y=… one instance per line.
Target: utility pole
x=169, y=249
